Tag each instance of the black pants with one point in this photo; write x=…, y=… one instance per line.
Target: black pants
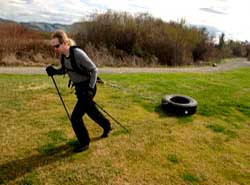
x=85, y=105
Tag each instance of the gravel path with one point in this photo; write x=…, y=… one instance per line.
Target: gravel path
x=222, y=67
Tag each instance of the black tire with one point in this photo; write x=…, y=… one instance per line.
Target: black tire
x=179, y=104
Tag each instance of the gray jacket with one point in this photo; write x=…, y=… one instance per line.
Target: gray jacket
x=83, y=62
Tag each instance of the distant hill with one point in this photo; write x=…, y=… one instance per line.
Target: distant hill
x=210, y=29
x=6, y=21
x=48, y=27
x=40, y=26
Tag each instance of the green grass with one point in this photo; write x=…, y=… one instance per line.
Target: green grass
x=188, y=177
x=172, y=158
x=210, y=147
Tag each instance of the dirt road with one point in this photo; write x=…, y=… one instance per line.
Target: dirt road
x=238, y=63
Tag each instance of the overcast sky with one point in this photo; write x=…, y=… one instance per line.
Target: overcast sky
x=229, y=16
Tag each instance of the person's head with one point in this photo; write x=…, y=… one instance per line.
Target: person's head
x=60, y=41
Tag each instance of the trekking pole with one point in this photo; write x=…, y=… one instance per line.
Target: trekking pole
x=111, y=117
x=61, y=98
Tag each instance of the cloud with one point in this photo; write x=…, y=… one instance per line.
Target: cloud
x=212, y=10
x=62, y=11
x=227, y=15
x=65, y=11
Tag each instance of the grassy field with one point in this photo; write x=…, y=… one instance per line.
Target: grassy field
x=210, y=147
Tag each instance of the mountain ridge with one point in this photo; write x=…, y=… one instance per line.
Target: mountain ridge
x=41, y=26
x=50, y=27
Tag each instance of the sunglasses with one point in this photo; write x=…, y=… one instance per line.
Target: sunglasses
x=57, y=46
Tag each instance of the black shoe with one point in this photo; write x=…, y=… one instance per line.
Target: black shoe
x=80, y=148
x=105, y=133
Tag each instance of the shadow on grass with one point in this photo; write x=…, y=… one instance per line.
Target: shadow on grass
x=181, y=118
x=164, y=113
x=17, y=168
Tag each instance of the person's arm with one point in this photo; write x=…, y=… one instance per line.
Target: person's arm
x=59, y=71
x=86, y=63
x=51, y=70
x=93, y=78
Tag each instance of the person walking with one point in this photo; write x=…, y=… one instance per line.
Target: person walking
x=83, y=73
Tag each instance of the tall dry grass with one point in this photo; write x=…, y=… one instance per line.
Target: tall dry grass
x=121, y=39
x=146, y=37
x=21, y=46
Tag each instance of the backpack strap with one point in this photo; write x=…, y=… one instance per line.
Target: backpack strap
x=62, y=64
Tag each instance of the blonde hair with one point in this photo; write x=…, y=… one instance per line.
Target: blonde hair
x=63, y=37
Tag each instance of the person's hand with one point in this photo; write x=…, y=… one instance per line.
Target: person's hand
x=90, y=93
x=50, y=70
